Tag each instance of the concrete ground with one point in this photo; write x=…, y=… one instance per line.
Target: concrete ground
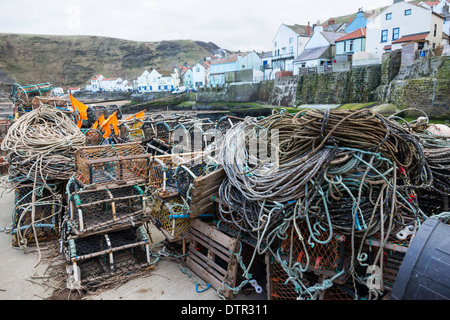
x=24, y=275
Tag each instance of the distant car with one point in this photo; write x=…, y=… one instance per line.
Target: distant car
x=179, y=90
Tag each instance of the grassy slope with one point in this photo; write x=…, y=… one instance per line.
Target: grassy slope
x=73, y=60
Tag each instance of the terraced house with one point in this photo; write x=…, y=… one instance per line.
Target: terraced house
x=402, y=23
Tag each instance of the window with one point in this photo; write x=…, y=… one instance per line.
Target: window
x=408, y=12
x=291, y=49
x=290, y=40
x=197, y=69
x=275, y=44
x=384, y=35
x=388, y=16
x=351, y=46
x=243, y=66
x=435, y=30
x=395, y=33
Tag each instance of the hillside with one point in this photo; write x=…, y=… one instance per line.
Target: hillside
x=72, y=60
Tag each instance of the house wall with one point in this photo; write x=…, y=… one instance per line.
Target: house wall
x=281, y=41
x=250, y=61
x=359, y=45
x=317, y=39
x=419, y=21
x=199, y=77
x=435, y=40
x=359, y=22
x=216, y=76
x=188, y=80
x=282, y=45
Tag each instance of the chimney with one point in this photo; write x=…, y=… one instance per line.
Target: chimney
x=331, y=21
x=318, y=28
x=308, y=29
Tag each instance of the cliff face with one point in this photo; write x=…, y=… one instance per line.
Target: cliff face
x=72, y=60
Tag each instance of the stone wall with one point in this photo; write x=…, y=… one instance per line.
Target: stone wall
x=356, y=85
x=422, y=85
x=236, y=92
x=103, y=95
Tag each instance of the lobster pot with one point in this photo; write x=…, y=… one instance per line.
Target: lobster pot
x=110, y=165
x=171, y=217
x=101, y=210
x=279, y=288
x=180, y=139
x=131, y=131
x=162, y=175
x=99, y=257
x=47, y=215
x=321, y=256
x=148, y=130
x=163, y=132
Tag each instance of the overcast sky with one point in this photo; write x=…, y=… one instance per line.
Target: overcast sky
x=231, y=24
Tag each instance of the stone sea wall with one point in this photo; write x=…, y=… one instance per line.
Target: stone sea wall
x=423, y=84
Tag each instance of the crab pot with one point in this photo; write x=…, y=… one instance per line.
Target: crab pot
x=93, y=137
x=113, y=165
x=171, y=217
x=131, y=131
x=101, y=210
x=47, y=215
x=163, y=132
x=321, y=256
x=162, y=175
x=278, y=286
x=99, y=257
x=148, y=130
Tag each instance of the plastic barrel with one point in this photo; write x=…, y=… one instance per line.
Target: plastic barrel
x=424, y=272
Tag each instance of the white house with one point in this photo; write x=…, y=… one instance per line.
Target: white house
x=95, y=83
x=318, y=52
x=73, y=90
x=110, y=84
x=288, y=43
x=57, y=91
x=402, y=22
x=148, y=81
x=199, y=75
x=165, y=82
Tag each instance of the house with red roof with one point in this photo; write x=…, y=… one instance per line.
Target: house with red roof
x=94, y=86
x=350, y=43
x=401, y=23
x=346, y=46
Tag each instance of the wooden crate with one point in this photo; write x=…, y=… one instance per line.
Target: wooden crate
x=211, y=257
x=205, y=189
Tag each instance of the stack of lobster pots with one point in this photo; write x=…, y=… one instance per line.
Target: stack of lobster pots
x=104, y=231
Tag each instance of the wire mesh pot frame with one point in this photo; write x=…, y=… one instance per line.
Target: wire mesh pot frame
x=171, y=217
x=161, y=175
x=98, y=211
x=114, y=164
x=107, y=250
x=131, y=130
x=93, y=136
x=37, y=220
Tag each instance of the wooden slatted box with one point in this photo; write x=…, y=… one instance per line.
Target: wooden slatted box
x=212, y=257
